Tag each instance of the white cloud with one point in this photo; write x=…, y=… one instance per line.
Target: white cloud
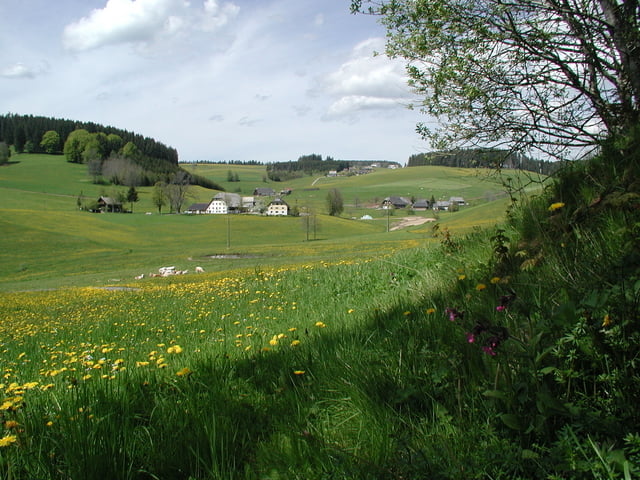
x=18, y=70
x=353, y=103
x=143, y=21
x=367, y=81
x=216, y=16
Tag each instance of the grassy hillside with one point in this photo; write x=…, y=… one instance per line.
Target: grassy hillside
x=506, y=353
x=47, y=242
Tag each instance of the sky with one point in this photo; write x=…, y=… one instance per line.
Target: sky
x=263, y=80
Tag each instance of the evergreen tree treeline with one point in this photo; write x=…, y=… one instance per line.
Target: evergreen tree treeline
x=25, y=133
x=483, y=158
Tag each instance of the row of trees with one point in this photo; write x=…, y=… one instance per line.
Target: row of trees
x=483, y=158
x=305, y=165
x=26, y=133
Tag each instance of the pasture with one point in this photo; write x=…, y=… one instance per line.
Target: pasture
x=48, y=242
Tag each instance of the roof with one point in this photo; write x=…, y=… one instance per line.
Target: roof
x=109, y=201
x=264, y=191
x=395, y=200
x=278, y=201
x=422, y=203
x=197, y=207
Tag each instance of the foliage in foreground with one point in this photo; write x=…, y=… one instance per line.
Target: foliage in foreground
x=508, y=354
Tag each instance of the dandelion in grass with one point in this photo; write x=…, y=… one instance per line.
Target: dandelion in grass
x=494, y=280
x=274, y=341
x=175, y=349
x=295, y=343
x=430, y=311
x=9, y=424
x=407, y=313
x=480, y=287
x=299, y=372
x=461, y=277
x=184, y=372
x=8, y=440
x=556, y=206
x=320, y=324
x=351, y=310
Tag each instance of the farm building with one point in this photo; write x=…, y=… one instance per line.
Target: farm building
x=395, y=202
x=278, y=207
x=108, y=204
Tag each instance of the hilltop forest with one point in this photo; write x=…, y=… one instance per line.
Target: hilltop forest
x=112, y=155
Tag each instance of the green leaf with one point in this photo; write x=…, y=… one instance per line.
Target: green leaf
x=511, y=421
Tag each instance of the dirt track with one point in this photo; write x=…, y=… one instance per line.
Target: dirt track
x=410, y=222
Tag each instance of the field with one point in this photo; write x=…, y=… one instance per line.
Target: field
x=364, y=352
x=47, y=242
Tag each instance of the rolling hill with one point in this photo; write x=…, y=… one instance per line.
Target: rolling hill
x=48, y=242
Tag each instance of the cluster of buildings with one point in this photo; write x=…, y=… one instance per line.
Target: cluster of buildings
x=224, y=202
x=423, y=204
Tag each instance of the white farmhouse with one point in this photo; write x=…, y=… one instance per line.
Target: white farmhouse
x=278, y=207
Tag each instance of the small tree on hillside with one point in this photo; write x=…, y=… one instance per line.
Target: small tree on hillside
x=51, y=142
x=335, y=203
x=132, y=196
x=177, y=190
x=158, y=196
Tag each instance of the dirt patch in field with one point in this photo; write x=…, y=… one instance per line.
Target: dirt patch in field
x=411, y=222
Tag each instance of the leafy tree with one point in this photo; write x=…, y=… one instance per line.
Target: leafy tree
x=130, y=150
x=557, y=76
x=50, y=142
x=335, y=204
x=158, y=195
x=75, y=145
x=177, y=190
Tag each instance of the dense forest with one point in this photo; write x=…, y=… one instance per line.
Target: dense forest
x=478, y=157
x=25, y=133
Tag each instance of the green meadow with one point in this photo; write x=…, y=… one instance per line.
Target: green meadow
x=484, y=345
x=48, y=242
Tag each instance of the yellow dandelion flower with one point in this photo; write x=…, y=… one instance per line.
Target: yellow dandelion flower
x=461, y=277
x=274, y=341
x=175, y=349
x=86, y=377
x=49, y=423
x=295, y=343
x=494, y=280
x=142, y=364
x=299, y=372
x=407, y=313
x=351, y=310
x=320, y=324
x=184, y=372
x=9, y=424
x=431, y=311
x=8, y=440
x=480, y=287
x=556, y=206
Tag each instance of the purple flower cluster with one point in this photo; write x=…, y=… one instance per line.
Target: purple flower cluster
x=492, y=336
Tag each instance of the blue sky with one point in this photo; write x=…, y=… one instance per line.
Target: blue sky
x=266, y=80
